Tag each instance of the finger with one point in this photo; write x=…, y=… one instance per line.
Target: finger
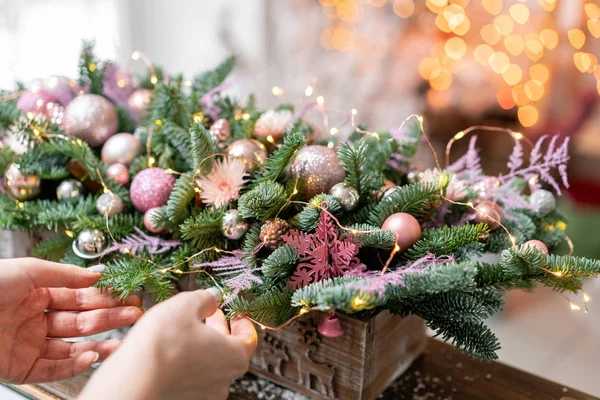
x=70, y=324
x=86, y=299
x=50, y=274
x=45, y=370
x=56, y=349
x=242, y=330
x=218, y=322
x=202, y=303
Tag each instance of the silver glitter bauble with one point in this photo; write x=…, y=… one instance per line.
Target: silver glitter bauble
x=543, y=201
x=414, y=176
x=21, y=186
x=220, y=131
x=316, y=169
x=69, y=190
x=345, y=194
x=272, y=231
x=233, y=225
x=91, y=118
x=109, y=204
x=89, y=244
x=252, y=152
x=121, y=148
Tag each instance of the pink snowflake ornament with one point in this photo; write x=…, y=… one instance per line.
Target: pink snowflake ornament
x=323, y=254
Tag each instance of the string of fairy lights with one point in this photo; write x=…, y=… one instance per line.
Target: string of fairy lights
x=359, y=301
x=516, y=39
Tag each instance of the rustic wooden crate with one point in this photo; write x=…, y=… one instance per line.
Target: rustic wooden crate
x=358, y=365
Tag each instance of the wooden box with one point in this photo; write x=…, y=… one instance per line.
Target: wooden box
x=359, y=365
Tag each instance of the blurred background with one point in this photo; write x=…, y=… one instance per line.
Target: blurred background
x=528, y=65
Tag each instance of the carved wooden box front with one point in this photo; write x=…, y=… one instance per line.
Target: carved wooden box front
x=360, y=364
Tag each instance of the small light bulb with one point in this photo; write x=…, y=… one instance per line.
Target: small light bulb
x=135, y=55
x=558, y=274
x=270, y=139
x=69, y=233
x=574, y=306
x=459, y=135
x=308, y=91
x=354, y=111
x=303, y=311
x=320, y=100
x=153, y=79
x=517, y=135
x=334, y=131
x=158, y=122
x=396, y=248
x=586, y=298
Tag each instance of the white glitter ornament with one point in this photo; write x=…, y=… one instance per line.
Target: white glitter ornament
x=273, y=123
x=542, y=201
x=109, y=204
x=69, y=190
x=317, y=169
x=121, y=148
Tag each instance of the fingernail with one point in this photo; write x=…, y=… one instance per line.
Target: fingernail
x=216, y=293
x=97, y=357
x=98, y=268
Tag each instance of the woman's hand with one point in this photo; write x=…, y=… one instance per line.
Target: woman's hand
x=172, y=354
x=30, y=348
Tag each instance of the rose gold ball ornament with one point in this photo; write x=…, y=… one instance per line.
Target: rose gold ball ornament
x=139, y=101
x=252, y=152
x=272, y=231
x=489, y=213
x=316, y=168
x=91, y=118
x=405, y=227
x=149, y=223
x=151, y=188
x=539, y=244
x=121, y=148
x=220, y=131
x=119, y=173
x=21, y=186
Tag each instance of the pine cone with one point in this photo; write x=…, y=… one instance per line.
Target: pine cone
x=272, y=231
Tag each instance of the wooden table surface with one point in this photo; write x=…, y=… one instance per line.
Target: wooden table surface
x=440, y=373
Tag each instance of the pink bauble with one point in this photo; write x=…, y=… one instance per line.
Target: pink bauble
x=91, y=118
x=61, y=88
x=405, y=227
x=138, y=102
x=151, y=188
x=121, y=148
x=37, y=102
x=119, y=173
x=149, y=224
x=539, y=244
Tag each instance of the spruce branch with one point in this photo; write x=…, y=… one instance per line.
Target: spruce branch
x=280, y=264
x=181, y=197
x=277, y=162
x=446, y=240
x=417, y=199
x=53, y=249
x=90, y=71
x=273, y=305
x=264, y=201
x=307, y=219
x=202, y=147
x=204, y=229
x=209, y=80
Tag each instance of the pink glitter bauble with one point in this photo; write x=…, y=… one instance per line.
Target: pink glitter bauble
x=91, y=118
x=149, y=224
x=38, y=102
x=119, y=173
x=151, y=188
x=405, y=227
x=62, y=88
x=539, y=244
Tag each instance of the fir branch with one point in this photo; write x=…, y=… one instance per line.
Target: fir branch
x=179, y=139
x=377, y=238
x=250, y=243
x=417, y=199
x=204, y=229
x=7, y=157
x=271, y=306
x=280, y=264
x=168, y=104
x=90, y=71
x=127, y=275
x=52, y=249
x=202, y=147
x=278, y=161
x=9, y=113
x=182, y=195
x=353, y=159
x=446, y=240
x=209, y=80
x=264, y=201
x=120, y=225
x=55, y=215
x=308, y=296
x=307, y=219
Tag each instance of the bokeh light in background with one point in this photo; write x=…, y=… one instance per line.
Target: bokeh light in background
x=522, y=41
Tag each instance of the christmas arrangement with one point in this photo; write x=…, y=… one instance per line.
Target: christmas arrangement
x=159, y=178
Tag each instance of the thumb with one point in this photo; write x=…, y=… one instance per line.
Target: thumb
x=202, y=302
x=50, y=274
